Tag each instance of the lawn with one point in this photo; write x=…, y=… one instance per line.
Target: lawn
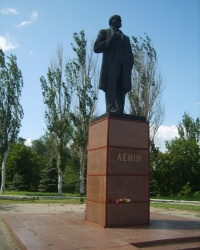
x=182, y=207
x=26, y=193
x=68, y=198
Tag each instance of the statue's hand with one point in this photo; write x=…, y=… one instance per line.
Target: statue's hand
x=112, y=38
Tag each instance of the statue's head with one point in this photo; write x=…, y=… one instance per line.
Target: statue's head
x=115, y=21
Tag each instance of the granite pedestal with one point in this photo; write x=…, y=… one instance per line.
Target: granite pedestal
x=118, y=171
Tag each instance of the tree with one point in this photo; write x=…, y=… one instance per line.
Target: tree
x=48, y=181
x=23, y=168
x=57, y=97
x=162, y=174
x=145, y=98
x=83, y=77
x=154, y=152
x=189, y=129
x=178, y=170
x=18, y=183
x=11, y=112
x=71, y=177
x=41, y=147
x=184, y=163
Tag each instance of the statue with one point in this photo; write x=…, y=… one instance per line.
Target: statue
x=117, y=64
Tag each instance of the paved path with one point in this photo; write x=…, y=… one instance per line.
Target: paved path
x=31, y=208
x=74, y=208
x=16, y=213
x=6, y=239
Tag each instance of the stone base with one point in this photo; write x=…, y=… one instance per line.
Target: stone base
x=118, y=168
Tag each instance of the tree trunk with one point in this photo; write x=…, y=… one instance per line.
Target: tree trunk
x=82, y=172
x=60, y=181
x=59, y=174
x=3, y=177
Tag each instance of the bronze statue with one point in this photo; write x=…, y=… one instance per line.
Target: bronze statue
x=117, y=64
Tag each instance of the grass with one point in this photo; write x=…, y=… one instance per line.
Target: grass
x=77, y=201
x=22, y=197
x=60, y=202
x=182, y=207
x=26, y=193
x=176, y=198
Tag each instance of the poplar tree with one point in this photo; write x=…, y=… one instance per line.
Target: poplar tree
x=11, y=112
x=145, y=98
x=57, y=98
x=82, y=74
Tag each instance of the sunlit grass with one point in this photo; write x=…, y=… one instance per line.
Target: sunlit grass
x=176, y=198
x=59, y=202
x=26, y=193
x=182, y=207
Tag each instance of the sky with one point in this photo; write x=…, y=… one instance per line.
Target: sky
x=32, y=29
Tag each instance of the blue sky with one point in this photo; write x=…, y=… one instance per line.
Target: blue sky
x=32, y=29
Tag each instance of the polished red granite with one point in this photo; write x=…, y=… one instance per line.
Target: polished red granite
x=118, y=172
x=65, y=231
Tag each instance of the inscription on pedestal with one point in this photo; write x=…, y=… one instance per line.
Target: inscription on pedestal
x=129, y=157
x=127, y=161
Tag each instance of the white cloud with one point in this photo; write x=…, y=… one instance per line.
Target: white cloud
x=34, y=16
x=24, y=23
x=165, y=133
x=28, y=142
x=8, y=11
x=31, y=19
x=8, y=43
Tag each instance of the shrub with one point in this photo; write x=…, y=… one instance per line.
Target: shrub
x=197, y=194
x=186, y=191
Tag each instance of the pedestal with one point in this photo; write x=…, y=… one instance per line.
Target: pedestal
x=118, y=168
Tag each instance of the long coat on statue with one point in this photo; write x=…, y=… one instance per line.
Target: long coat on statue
x=102, y=46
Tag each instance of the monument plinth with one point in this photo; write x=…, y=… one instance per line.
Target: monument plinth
x=118, y=171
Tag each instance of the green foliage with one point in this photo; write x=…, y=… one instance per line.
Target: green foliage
x=197, y=195
x=147, y=84
x=41, y=147
x=71, y=178
x=82, y=200
x=177, y=171
x=49, y=178
x=161, y=174
x=142, y=48
x=154, y=151
x=11, y=111
x=18, y=183
x=189, y=129
x=186, y=191
x=57, y=97
x=80, y=48
x=23, y=165
x=81, y=75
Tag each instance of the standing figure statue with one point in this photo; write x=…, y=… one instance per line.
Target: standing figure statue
x=117, y=64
